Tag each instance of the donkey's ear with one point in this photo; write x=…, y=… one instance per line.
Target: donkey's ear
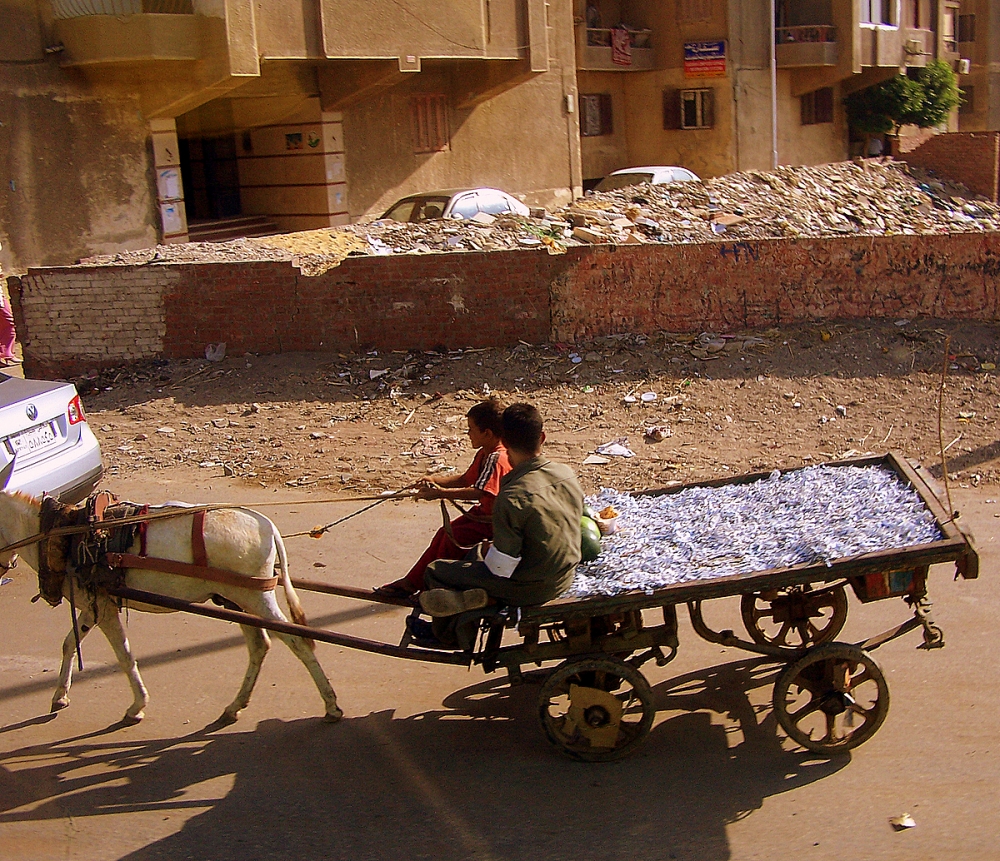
x=5, y=474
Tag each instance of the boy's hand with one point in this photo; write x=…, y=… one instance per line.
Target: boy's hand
x=428, y=491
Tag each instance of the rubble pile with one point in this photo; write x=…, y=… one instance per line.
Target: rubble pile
x=867, y=197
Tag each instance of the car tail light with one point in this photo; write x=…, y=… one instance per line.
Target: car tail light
x=75, y=411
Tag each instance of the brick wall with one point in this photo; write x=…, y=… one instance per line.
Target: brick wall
x=971, y=158
x=75, y=318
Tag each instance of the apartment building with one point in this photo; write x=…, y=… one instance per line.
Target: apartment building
x=129, y=122
x=971, y=35
x=700, y=90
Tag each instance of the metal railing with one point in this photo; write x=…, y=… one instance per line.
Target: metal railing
x=601, y=37
x=808, y=33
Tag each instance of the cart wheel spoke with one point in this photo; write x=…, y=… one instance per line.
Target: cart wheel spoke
x=807, y=709
x=781, y=638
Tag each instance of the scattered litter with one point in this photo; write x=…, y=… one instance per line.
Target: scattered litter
x=375, y=373
x=648, y=397
x=595, y=460
x=5, y=580
x=657, y=433
x=988, y=366
x=215, y=352
x=902, y=821
x=616, y=448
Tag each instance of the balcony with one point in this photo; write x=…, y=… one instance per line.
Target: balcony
x=613, y=50
x=805, y=46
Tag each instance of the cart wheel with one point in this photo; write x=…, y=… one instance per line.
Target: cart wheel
x=833, y=699
x=596, y=709
x=794, y=618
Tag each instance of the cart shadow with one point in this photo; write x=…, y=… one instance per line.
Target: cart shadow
x=475, y=779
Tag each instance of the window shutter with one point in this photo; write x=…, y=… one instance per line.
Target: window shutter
x=607, y=121
x=708, y=109
x=671, y=109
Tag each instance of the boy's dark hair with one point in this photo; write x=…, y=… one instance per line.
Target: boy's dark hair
x=522, y=428
x=487, y=415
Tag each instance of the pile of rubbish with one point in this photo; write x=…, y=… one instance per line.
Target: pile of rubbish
x=871, y=197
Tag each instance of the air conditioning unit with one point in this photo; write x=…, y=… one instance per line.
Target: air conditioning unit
x=914, y=46
x=964, y=66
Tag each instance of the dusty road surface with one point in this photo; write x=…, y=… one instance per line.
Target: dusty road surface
x=440, y=763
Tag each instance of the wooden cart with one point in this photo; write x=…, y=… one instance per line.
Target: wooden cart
x=595, y=704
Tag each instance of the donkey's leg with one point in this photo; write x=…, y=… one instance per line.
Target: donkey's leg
x=111, y=624
x=257, y=646
x=85, y=622
x=302, y=651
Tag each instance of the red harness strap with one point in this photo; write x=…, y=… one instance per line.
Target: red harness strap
x=198, y=539
x=186, y=569
x=200, y=569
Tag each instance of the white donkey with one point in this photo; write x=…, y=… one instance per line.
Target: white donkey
x=236, y=540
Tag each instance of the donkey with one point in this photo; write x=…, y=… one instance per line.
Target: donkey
x=236, y=540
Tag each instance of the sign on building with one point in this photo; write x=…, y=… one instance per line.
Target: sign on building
x=705, y=59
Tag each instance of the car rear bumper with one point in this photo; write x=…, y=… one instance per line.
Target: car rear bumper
x=69, y=475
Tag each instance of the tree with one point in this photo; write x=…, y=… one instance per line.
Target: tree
x=922, y=98
x=938, y=96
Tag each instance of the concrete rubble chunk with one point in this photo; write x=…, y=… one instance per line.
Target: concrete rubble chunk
x=867, y=197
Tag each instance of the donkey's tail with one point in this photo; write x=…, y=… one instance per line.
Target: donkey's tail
x=291, y=596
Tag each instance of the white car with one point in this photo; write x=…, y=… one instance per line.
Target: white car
x=455, y=203
x=44, y=430
x=659, y=175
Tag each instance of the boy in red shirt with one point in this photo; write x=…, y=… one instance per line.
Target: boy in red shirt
x=480, y=483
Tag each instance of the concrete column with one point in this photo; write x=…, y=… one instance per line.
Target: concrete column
x=333, y=165
x=169, y=190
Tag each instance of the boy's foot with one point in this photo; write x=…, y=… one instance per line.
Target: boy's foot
x=397, y=589
x=451, y=602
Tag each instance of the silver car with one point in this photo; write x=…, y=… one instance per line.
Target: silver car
x=44, y=430
x=454, y=203
x=654, y=174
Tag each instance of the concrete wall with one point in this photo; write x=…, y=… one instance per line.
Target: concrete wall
x=76, y=169
x=76, y=318
x=971, y=158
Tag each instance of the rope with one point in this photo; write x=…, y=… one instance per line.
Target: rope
x=316, y=532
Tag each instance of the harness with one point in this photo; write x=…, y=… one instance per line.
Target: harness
x=98, y=557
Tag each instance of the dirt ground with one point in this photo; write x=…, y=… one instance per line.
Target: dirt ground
x=726, y=404
x=439, y=763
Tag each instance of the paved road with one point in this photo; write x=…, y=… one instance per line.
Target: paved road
x=440, y=763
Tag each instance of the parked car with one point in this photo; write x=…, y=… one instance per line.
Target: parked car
x=656, y=175
x=44, y=430
x=454, y=203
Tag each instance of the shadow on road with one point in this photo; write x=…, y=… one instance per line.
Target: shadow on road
x=472, y=780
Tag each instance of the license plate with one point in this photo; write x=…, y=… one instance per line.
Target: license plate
x=32, y=439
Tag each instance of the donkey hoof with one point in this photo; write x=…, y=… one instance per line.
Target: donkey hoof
x=131, y=720
x=227, y=718
x=59, y=705
x=333, y=717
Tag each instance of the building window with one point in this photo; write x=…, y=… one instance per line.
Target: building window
x=817, y=107
x=949, y=27
x=697, y=109
x=429, y=122
x=966, y=28
x=877, y=12
x=595, y=115
x=968, y=103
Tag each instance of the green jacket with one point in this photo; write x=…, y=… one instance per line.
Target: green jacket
x=537, y=517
